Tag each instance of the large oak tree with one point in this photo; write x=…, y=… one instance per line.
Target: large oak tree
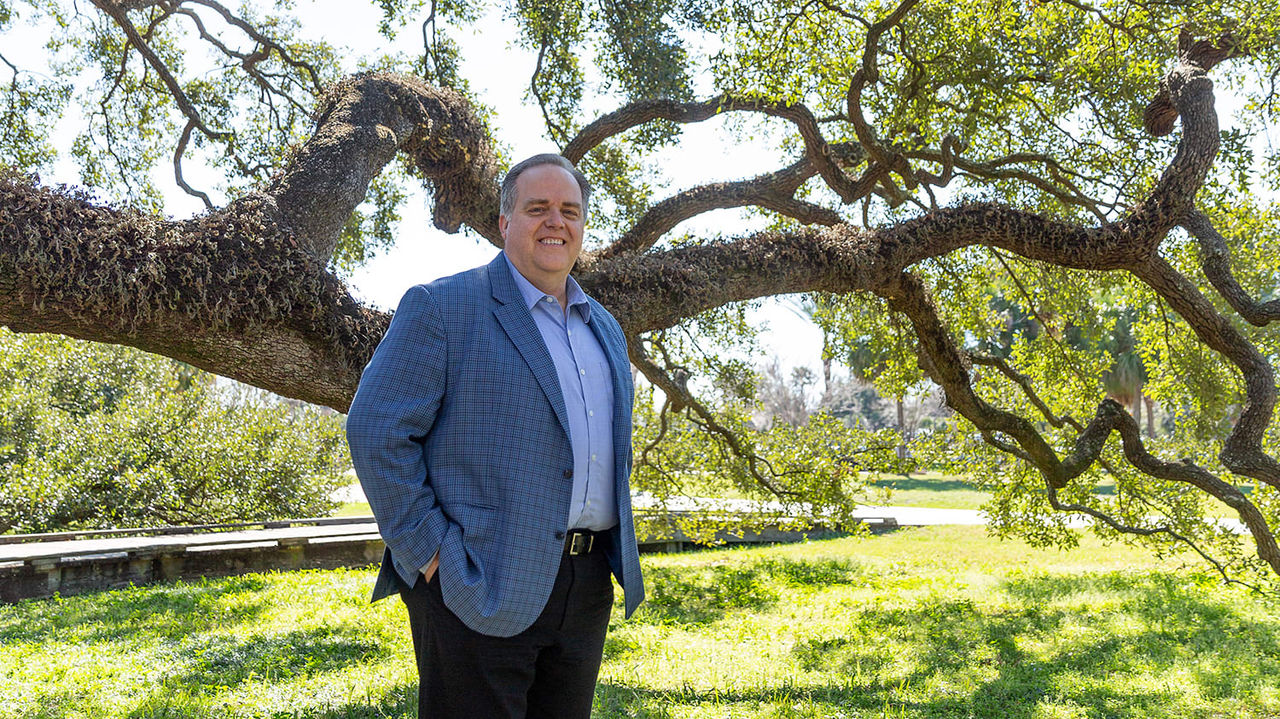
x=952, y=166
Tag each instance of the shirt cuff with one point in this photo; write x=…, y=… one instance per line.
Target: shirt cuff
x=433, y=560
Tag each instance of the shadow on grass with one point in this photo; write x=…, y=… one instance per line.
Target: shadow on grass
x=225, y=661
x=627, y=700
x=703, y=595
x=695, y=596
x=1100, y=656
x=165, y=610
x=399, y=702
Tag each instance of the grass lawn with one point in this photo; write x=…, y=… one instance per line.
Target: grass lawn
x=935, y=622
x=352, y=509
x=926, y=489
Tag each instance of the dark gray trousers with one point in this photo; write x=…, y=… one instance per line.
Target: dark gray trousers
x=547, y=671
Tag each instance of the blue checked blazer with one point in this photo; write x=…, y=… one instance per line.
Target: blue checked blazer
x=459, y=436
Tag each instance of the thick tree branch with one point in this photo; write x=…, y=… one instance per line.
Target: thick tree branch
x=1215, y=260
x=151, y=293
x=1162, y=112
x=364, y=121
x=1242, y=452
x=942, y=359
x=229, y=292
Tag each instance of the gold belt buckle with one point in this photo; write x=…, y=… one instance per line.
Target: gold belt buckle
x=575, y=547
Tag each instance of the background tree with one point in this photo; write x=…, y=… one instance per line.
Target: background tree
x=933, y=150
x=98, y=436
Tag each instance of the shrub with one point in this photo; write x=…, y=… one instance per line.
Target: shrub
x=100, y=436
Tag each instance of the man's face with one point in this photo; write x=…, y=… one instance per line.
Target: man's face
x=544, y=232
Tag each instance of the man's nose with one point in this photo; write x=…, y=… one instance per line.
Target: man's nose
x=554, y=218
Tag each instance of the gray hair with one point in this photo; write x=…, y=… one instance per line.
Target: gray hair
x=508, y=202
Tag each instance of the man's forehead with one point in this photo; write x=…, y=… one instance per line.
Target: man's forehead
x=539, y=181
x=536, y=200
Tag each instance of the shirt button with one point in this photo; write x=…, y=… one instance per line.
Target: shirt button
x=591, y=413
x=593, y=458
x=582, y=372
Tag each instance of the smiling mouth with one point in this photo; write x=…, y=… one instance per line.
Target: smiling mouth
x=550, y=241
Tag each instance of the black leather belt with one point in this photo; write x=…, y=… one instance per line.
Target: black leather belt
x=583, y=541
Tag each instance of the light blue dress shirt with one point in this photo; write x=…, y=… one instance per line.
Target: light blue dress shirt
x=587, y=386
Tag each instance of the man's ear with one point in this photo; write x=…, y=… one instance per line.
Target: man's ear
x=502, y=227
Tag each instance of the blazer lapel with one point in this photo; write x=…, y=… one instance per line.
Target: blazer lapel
x=516, y=321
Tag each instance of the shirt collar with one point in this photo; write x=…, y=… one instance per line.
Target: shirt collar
x=532, y=295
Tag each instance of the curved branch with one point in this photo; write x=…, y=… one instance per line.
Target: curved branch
x=364, y=121
x=558, y=133
x=1122, y=527
x=772, y=191
x=1214, y=259
x=1024, y=382
x=250, y=61
x=866, y=74
x=1162, y=112
x=657, y=289
x=263, y=40
x=12, y=68
x=998, y=170
x=178, y=152
x=1242, y=452
x=121, y=18
x=942, y=360
x=638, y=113
x=1111, y=416
x=682, y=398
x=882, y=160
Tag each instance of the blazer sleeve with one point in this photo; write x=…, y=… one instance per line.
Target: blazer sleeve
x=393, y=411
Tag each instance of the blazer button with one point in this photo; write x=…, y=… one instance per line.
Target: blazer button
x=568, y=474
x=559, y=535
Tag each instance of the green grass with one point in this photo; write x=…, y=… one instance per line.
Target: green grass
x=936, y=622
x=353, y=509
x=926, y=489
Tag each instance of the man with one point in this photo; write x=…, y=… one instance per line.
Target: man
x=491, y=433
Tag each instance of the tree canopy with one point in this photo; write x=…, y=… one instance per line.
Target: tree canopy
x=1002, y=197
